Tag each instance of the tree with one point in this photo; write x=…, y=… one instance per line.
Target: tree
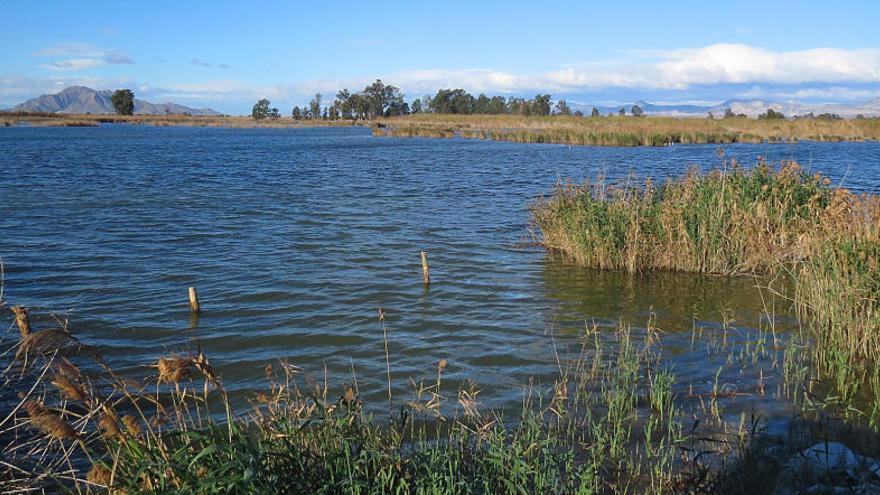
x=383, y=100
x=416, y=106
x=595, y=112
x=771, y=114
x=274, y=114
x=343, y=102
x=578, y=113
x=541, y=105
x=261, y=109
x=315, y=106
x=123, y=101
x=728, y=113
x=637, y=111
x=621, y=112
x=296, y=114
x=563, y=108
x=455, y=101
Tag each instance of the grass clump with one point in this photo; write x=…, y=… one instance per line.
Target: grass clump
x=765, y=220
x=724, y=222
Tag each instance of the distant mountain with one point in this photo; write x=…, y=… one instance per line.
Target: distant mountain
x=752, y=108
x=79, y=99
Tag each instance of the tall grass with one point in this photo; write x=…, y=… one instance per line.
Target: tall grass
x=763, y=220
x=76, y=424
x=628, y=131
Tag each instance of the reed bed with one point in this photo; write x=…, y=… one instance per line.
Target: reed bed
x=628, y=131
x=609, y=423
x=776, y=221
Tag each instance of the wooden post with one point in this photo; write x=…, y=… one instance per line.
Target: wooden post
x=426, y=272
x=194, y=301
x=22, y=320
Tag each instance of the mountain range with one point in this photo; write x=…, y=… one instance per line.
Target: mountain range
x=80, y=99
x=752, y=108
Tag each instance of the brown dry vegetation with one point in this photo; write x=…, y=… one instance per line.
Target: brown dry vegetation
x=627, y=131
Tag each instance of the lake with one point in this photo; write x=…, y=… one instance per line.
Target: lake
x=295, y=237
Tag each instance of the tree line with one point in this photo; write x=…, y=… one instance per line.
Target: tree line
x=385, y=100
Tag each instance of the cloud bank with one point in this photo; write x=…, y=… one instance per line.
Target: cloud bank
x=719, y=71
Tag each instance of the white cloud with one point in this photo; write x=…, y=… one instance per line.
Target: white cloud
x=80, y=56
x=674, y=70
x=75, y=64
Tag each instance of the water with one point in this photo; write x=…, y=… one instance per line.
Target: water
x=295, y=237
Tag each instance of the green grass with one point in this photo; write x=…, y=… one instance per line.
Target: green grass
x=82, y=427
x=766, y=221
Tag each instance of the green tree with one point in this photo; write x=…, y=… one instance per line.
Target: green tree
x=315, y=106
x=728, y=113
x=416, y=106
x=383, y=100
x=296, y=114
x=595, y=112
x=637, y=111
x=621, y=112
x=562, y=108
x=343, y=102
x=123, y=101
x=455, y=101
x=541, y=105
x=771, y=114
x=274, y=114
x=261, y=109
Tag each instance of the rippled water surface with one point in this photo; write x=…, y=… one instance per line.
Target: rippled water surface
x=294, y=238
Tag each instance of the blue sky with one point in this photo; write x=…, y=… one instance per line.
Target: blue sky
x=225, y=55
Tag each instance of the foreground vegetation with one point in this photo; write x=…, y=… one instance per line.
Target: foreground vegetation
x=780, y=222
x=609, y=423
x=627, y=131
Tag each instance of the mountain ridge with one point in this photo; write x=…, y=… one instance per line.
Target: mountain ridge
x=82, y=99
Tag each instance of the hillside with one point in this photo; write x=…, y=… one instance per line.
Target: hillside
x=83, y=100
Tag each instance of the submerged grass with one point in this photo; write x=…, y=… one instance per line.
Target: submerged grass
x=763, y=220
x=627, y=131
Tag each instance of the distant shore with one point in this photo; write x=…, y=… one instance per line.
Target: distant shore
x=555, y=129
x=87, y=120
x=629, y=131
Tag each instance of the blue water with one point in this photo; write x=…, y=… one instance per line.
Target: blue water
x=295, y=237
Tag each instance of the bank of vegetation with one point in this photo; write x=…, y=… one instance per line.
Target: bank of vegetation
x=779, y=222
x=627, y=130
x=609, y=423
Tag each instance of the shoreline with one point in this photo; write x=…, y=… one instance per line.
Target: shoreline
x=628, y=131
x=91, y=120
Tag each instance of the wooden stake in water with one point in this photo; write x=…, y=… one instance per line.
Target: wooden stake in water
x=194, y=305
x=426, y=272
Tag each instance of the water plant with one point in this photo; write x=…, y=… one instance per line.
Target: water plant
x=777, y=222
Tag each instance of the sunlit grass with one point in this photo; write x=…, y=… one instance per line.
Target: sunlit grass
x=763, y=220
x=628, y=131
